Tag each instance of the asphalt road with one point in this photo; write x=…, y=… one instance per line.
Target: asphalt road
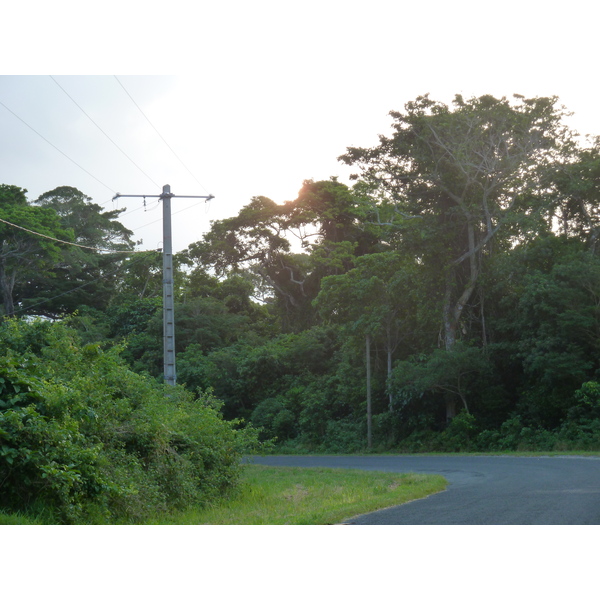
x=482, y=490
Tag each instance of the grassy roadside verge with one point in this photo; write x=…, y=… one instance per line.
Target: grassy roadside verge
x=297, y=496
x=310, y=496
x=281, y=495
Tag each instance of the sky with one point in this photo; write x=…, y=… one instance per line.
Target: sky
x=239, y=99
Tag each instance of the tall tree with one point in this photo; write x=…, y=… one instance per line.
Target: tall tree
x=86, y=274
x=324, y=223
x=375, y=302
x=576, y=185
x=91, y=224
x=23, y=253
x=466, y=173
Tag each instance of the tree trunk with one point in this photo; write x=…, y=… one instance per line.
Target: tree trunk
x=448, y=313
x=7, y=284
x=450, y=408
x=452, y=312
x=389, y=375
x=369, y=413
x=483, y=327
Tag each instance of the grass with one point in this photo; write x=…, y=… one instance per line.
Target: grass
x=309, y=496
x=19, y=519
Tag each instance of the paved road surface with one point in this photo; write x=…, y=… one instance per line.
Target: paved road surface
x=482, y=490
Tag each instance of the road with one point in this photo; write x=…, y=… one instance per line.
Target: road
x=482, y=490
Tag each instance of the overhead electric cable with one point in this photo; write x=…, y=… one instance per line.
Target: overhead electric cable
x=104, y=132
x=56, y=148
x=74, y=244
x=159, y=135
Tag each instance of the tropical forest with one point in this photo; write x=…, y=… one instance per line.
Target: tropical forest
x=445, y=299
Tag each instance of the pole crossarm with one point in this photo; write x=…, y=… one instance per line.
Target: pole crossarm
x=209, y=197
x=168, y=295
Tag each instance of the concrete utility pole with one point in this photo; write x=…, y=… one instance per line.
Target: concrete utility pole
x=369, y=411
x=168, y=300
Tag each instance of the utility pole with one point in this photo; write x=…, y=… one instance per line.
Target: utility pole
x=170, y=372
x=369, y=410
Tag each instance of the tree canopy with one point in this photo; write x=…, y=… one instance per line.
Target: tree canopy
x=23, y=253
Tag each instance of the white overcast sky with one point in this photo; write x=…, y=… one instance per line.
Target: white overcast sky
x=255, y=97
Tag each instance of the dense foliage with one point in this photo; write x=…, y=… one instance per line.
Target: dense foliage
x=85, y=439
x=462, y=263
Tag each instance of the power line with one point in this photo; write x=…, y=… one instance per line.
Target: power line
x=55, y=147
x=103, y=132
x=74, y=244
x=159, y=135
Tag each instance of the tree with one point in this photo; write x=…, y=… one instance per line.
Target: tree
x=90, y=223
x=447, y=372
x=23, y=254
x=141, y=277
x=331, y=213
x=576, y=185
x=86, y=273
x=324, y=221
x=373, y=301
x=458, y=177
x=473, y=169
x=253, y=241
x=546, y=322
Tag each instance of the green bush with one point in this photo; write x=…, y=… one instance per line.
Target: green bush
x=422, y=440
x=45, y=459
x=274, y=419
x=87, y=440
x=514, y=435
x=460, y=434
x=344, y=436
x=488, y=440
x=587, y=405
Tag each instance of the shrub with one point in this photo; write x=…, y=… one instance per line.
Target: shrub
x=88, y=440
x=423, y=440
x=274, y=419
x=488, y=440
x=344, y=436
x=460, y=434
